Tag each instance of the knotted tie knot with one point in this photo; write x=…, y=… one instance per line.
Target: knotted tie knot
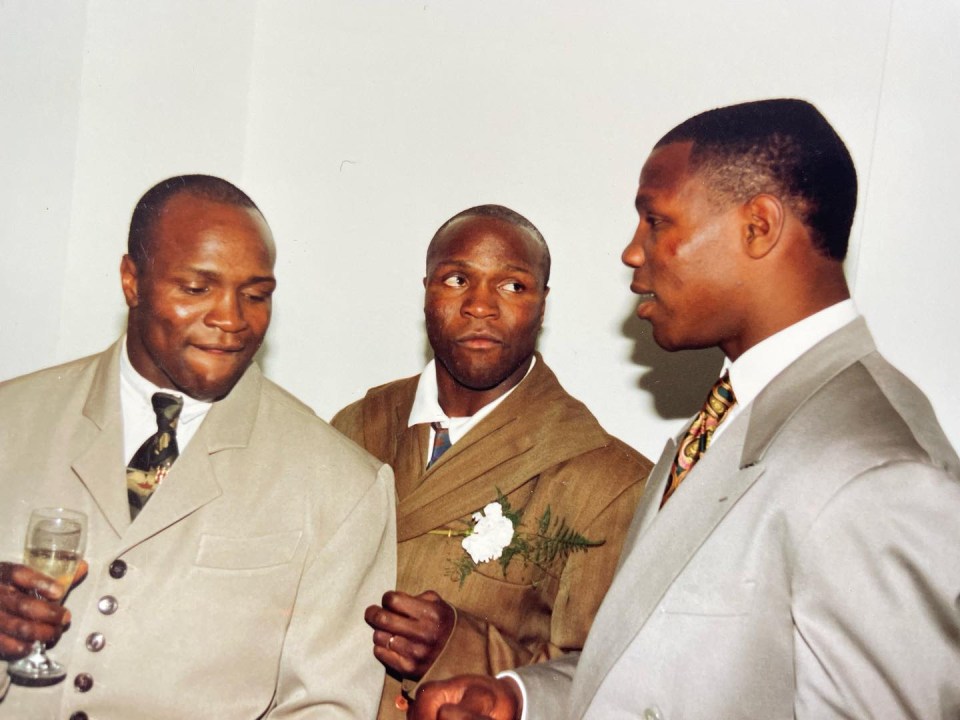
x=441, y=442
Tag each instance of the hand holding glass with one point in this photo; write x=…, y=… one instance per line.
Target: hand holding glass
x=54, y=544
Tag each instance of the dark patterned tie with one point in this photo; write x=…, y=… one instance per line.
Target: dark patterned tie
x=441, y=442
x=152, y=461
x=698, y=436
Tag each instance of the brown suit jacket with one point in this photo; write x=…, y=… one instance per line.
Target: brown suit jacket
x=540, y=448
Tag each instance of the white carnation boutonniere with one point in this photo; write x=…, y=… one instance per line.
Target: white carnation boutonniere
x=492, y=532
x=496, y=535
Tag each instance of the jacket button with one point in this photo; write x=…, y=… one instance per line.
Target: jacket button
x=81, y=715
x=118, y=568
x=652, y=713
x=107, y=605
x=83, y=682
x=95, y=642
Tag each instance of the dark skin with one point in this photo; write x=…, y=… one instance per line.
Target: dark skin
x=709, y=274
x=31, y=608
x=484, y=306
x=199, y=309
x=476, y=697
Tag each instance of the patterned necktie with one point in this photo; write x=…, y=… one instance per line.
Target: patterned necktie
x=152, y=461
x=698, y=437
x=441, y=442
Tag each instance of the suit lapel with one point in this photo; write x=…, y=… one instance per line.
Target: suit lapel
x=459, y=483
x=199, y=476
x=536, y=427
x=660, y=547
x=664, y=542
x=98, y=460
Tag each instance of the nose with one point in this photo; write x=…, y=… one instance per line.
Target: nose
x=480, y=301
x=633, y=254
x=226, y=314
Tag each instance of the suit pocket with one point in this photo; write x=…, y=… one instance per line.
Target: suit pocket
x=247, y=553
x=716, y=600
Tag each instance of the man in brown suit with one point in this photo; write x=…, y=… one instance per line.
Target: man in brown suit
x=514, y=431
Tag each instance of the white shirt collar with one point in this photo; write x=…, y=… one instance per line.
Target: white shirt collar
x=758, y=366
x=426, y=404
x=139, y=419
x=754, y=370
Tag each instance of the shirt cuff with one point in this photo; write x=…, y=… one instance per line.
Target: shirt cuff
x=523, y=690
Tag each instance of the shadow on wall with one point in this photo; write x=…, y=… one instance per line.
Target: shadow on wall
x=678, y=381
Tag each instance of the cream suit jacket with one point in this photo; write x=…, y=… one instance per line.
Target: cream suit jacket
x=246, y=574
x=540, y=447
x=807, y=567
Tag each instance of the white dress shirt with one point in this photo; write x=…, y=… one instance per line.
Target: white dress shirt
x=139, y=418
x=426, y=406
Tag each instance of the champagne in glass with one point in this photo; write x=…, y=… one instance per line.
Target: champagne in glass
x=54, y=544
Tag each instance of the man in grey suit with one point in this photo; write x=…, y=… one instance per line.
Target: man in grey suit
x=799, y=555
x=232, y=582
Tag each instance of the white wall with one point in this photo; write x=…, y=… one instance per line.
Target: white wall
x=360, y=126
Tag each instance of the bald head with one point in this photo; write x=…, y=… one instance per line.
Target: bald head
x=154, y=202
x=499, y=213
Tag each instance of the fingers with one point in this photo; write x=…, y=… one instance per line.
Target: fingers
x=29, y=580
x=81, y=573
x=410, y=632
x=25, y=619
x=468, y=697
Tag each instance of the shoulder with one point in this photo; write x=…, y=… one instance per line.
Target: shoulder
x=51, y=392
x=564, y=429
x=375, y=404
x=64, y=376
x=872, y=412
x=292, y=428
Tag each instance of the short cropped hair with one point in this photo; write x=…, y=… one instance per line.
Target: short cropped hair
x=785, y=147
x=512, y=217
x=150, y=206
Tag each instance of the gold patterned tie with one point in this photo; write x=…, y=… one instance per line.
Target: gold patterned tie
x=152, y=461
x=697, y=439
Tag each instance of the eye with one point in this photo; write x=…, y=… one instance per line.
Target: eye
x=194, y=289
x=653, y=220
x=514, y=286
x=257, y=297
x=455, y=281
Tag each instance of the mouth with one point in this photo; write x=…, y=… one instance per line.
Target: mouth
x=644, y=295
x=479, y=341
x=220, y=349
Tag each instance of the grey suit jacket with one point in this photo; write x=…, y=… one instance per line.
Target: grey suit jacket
x=246, y=575
x=808, y=567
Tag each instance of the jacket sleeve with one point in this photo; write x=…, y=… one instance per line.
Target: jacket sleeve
x=327, y=669
x=875, y=593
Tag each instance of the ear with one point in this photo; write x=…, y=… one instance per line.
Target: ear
x=129, y=281
x=763, y=224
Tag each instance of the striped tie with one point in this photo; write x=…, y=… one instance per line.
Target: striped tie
x=698, y=437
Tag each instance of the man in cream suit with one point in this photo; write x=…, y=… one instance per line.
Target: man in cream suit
x=237, y=590
x=806, y=565
x=512, y=430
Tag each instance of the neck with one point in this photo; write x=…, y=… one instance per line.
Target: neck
x=458, y=400
x=781, y=308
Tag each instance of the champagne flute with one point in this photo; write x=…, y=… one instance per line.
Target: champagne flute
x=54, y=544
